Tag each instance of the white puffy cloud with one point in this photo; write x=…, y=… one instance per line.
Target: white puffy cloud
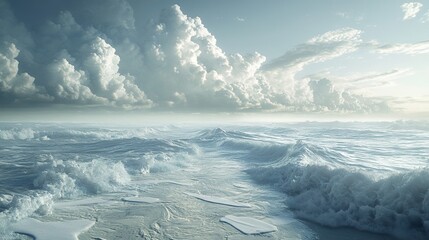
x=16, y=85
x=326, y=98
x=282, y=71
x=102, y=67
x=83, y=68
x=20, y=85
x=68, y=84
x=186, y=68
x=405, y=48
x=411, y=9
x=74, y=64
x=98, y=81
x=175, y=64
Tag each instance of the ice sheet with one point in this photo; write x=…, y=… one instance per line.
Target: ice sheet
x=141, y=199
x=67, y=230
x=154, y=182
x=80, y=202
x=248, y=225
x=218, y=200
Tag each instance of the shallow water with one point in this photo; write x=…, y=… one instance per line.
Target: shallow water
x=311, y=180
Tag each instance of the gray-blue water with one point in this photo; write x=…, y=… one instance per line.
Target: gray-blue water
x=371, y=177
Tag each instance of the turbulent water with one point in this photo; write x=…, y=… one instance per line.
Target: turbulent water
x=311, y=180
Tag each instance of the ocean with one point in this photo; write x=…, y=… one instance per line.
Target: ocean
x=307, y=180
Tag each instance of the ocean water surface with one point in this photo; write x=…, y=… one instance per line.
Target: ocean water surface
x=310, y=180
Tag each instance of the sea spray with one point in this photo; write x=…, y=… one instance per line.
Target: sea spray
x=338, y=197
x=67, y=178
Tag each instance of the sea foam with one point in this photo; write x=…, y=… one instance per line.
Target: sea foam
x=66, y=178
x=17, y=134
x=336, y=197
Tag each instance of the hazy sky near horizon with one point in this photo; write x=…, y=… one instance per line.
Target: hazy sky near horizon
x=216, y=56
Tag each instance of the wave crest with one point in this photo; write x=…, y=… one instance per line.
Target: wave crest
x=17, y=134
x=397, y=205
x=71, y=178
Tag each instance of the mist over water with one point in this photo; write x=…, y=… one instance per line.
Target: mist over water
x=368, y=176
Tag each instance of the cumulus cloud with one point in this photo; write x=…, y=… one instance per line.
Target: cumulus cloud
x=326, y=98
x=98, y=80
x=411, y=9
x=18, y=85
x=405, y=48
x=82, y=68
x=282, y=71
x=102, y=67
x=68, y=84
x=186, y=68
x=87, y=58
x=206, y=77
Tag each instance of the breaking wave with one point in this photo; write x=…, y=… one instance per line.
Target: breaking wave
x=338, y=197
x=17, y=134
x=34, y=180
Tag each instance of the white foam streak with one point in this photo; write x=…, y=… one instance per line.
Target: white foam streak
x=17, y=134
x=396, y=205
x=71, y=178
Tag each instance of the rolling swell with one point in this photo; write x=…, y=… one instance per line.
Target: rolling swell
x=333, y=196
x=257, y=150
x=240, y=145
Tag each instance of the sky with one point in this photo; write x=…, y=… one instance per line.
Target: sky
x=243, y=56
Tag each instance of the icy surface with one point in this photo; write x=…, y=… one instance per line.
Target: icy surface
x=80, y=202
x=141, y=199
x=218, y=200
x=67, y=230
x=248, y=225
x=158, y=181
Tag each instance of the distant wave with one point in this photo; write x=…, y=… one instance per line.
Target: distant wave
x=410, y=125
x=251, y=148
x=55, y=132
x=107, y=134
x=121, y=146
x=17, y=134
x=219, y=134
x=236, y=144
